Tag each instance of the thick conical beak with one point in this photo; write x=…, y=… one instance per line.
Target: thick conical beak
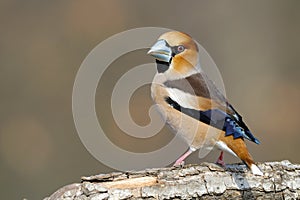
x=161, y=51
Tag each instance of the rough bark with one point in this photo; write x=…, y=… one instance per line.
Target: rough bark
x=281, y=180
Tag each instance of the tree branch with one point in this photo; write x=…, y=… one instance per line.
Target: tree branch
x=281, y=180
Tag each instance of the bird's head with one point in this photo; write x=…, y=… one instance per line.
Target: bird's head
x=175, y=53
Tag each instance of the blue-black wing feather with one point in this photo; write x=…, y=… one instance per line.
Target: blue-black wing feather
x=232, y=124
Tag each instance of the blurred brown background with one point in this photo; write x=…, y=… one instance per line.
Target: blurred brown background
x=255, y=44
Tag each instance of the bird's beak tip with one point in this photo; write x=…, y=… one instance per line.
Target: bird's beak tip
x=160, y=51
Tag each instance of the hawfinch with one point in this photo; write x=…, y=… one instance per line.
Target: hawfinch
x=192, y=105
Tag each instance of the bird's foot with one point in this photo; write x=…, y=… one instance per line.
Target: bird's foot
x=179, y=163
x=220, y=160
x=221, y=163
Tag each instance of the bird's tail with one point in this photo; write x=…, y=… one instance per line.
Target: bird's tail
x=248, y=160
x=239, y=147
x=255, y=170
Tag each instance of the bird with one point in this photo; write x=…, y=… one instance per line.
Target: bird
x=192, y=105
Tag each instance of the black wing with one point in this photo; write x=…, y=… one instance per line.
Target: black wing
x=231, y=124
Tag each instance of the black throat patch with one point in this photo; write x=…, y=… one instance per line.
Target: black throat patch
x=162, y=66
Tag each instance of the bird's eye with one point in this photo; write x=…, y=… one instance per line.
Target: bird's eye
x=180, y=48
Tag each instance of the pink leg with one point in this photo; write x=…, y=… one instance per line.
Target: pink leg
x=220, y=160
x=180, y=161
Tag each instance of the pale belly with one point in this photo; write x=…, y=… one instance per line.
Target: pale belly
x=195, y=133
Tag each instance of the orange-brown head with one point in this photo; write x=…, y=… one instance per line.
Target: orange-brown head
x=175, y=51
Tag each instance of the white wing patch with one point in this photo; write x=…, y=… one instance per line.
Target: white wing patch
x=183, y=99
